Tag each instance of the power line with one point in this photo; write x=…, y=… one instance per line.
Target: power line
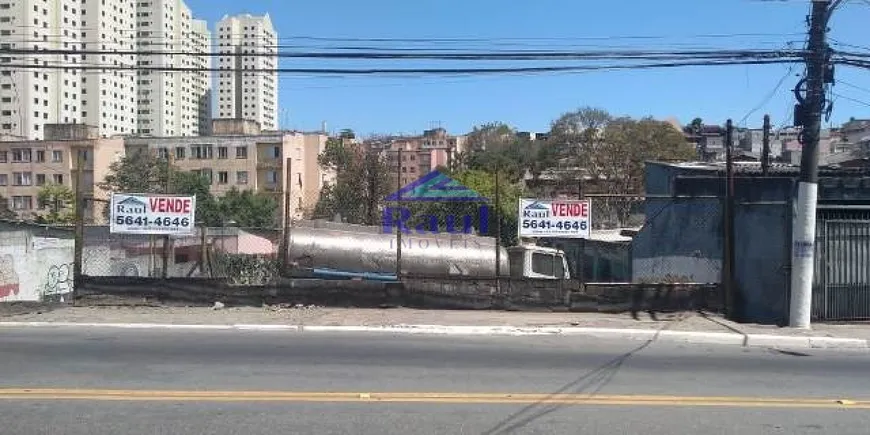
x=853, y=86
x=769, y=96
x=854, y=100
x=423, y=55
x=392, y=71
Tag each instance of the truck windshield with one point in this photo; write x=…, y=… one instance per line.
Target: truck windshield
x=547, y=264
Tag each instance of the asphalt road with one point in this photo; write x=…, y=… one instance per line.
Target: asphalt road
x=178, y=382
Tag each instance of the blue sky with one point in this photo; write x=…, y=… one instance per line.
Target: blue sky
x=530, y=102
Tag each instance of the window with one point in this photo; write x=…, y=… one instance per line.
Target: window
x=4, y=179
x=22, y=202
x=21, y=155
x=57, y=178
x=223, y=177
x=40, y=179
x=276, y=152
x=272, y=177
x=40, y=156
x=207, y=174
x=163, y=153
x=242, y=177
x=547, y=264
x=22, y=178
x=201, y=152
x=223, y=152
x=57, y=156
x=241, y=152
x=4, y=156
x=179, y=153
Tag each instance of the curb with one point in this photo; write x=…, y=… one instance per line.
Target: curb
x=236, y=327
x=691, y=337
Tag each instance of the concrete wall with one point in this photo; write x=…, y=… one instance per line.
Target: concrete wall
x=513, y=294
x=34, y=268
x=681, y=242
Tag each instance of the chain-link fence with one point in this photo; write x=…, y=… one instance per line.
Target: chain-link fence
x=681, y=241
x=609, y=212
x=244, y=256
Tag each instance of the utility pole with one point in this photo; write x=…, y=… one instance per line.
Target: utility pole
x=810, y=112
x=399, y=215
x=765, y=150
x=79, y=242
x=728, y=245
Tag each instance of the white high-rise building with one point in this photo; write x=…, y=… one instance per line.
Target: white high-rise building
x=31, y=97
x=248, y=43
x=113, y=99
x=109, y=96
x=169, y=101
x=198, y=107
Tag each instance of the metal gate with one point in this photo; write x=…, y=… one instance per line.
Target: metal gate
x=842, y=269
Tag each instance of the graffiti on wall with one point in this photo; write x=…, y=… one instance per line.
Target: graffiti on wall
x=59, y=280
x=9, y=285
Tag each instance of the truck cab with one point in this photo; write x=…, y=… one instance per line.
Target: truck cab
x=537, y=262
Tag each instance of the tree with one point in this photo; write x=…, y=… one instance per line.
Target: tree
x=146, y=173
x=59, y=200
x=496, y=146
x=137, y=173
x=248, y=208
x=362, y=182
x=610, y=153
x=492, y=135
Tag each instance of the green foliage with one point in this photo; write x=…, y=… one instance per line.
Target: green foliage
x=492, y=135
x=5, y=211
x=361, y=184
x=147, y=173
x=612, y=151
x=496, y=147
x=137, y=173
x=483, y=182
x=59, y=199
x=248, y=208
x=246, y=270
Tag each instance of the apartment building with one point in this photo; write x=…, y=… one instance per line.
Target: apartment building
x=420, y=154
x=239, y=155
x=199, y=98
x=247, y=42
x=172, y=103
x=38, y=89
x=109, y=96
x=31, y=97
x=28, y=165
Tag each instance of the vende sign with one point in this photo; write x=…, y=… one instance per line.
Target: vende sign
x=170, y=205
x=554, y=218
x=570, y=209
x=152, y=214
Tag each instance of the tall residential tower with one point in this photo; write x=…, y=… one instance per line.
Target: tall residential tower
x=38, y=89
x=248, y=42
x=170, y=102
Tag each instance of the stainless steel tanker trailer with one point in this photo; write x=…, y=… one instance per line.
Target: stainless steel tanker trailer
x=330, y=249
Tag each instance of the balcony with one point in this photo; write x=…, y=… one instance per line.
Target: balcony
x=274, y=164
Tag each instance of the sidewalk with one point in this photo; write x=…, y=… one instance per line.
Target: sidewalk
x=684, y=327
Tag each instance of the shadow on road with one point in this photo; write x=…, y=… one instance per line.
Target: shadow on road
x=591, y=382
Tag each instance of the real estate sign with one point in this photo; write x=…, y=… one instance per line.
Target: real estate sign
x=152, y=214
x=554, y=218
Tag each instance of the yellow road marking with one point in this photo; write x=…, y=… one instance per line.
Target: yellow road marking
x=399, y=397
